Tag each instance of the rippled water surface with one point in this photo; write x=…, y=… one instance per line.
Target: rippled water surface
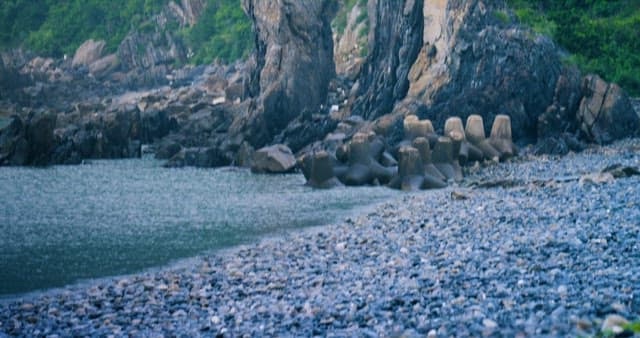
x=63, y=224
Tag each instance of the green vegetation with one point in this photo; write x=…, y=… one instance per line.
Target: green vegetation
x=340, y=22
x=223, y=32
x=603, y=37
x=632, y=329
x=58, y=27
x=502, y=16
x=54, y=28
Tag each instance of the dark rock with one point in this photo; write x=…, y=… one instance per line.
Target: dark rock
x=198, y=157
x=156, y=124
x=559, y=117
x=66, y=153
x=274, y=159
x=396, y=28
x=620, y=171
x=558, y=145
x=244, y=156
x=606, y=113
x=29, y=142
x=40, y=137
x=305, y=130
x=10, y=137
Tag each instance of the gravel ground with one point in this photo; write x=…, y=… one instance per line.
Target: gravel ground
x=550, y=259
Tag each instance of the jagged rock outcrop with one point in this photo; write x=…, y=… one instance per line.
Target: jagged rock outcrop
x=473, y=58
x=471, y=62
x=28, y=141
x=306, y=129
x=148, y=54
x=88, y=52
x=395, y=40
x=294, y=58
x=606, y=113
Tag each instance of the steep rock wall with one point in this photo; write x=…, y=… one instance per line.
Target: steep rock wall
x=469, y=60
x=394, y=42
x=294, y=61
x=484, y=65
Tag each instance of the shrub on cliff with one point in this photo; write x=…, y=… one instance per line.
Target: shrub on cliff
x=54, y=28
x=602, y=36
x=223, y=32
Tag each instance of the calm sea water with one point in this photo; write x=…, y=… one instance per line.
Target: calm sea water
x=63, y=224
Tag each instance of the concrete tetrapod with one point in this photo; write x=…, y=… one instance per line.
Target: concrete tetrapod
x=474, y=133
x=322, y=174
x=362, y=167
x=501, y=138
x=467, y=152
x=422, y=144
x=414, y=128
x=410, y=175
x=443, y=158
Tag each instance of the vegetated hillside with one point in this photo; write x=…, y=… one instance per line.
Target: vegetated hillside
x=223, y=32
x=58, y=27
x=602, y=37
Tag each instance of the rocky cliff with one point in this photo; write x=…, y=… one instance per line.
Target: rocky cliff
x=294, y=61
x=438, y=59
x=395, y=40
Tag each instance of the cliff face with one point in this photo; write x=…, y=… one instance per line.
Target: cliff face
x=394, y=42
x=151, y=51
x=472, y=62
x=442, y=58
x=468, y=61
x=294, y=60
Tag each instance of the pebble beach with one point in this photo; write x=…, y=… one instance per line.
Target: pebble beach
x=541, y=252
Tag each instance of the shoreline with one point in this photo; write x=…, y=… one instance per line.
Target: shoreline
x=490, y=261
x=180, y=264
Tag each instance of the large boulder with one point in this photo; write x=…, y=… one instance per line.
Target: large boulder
x=294, y=61
x=274, y=159
x=104, y=66
x=606, y=113
x=41, y=138
x=88, y=52
x=28, y=142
